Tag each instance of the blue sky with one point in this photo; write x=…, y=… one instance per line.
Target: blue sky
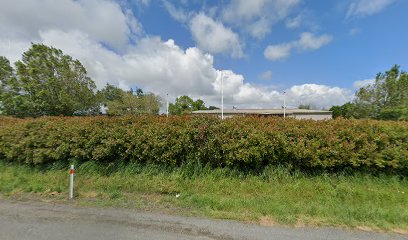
x=362, y=45
x=316, y=51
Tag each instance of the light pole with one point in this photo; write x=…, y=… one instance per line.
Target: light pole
x=167, y=105
x=284, y=104
x=222, y=95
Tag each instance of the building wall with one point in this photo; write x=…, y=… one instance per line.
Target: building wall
x=296, y=116
x=313, y=116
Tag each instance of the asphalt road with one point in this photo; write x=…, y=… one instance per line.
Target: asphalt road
x=34, y=220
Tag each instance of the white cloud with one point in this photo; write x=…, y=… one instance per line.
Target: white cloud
x=321, y=96
x=26, y=17
x=246, y=95
x=260, y=28
x=362, y=83
x=278, y=52
x=307, y=41
x=294, y=22
x=209, y=34
x=214, y=37
x=367, y=7
x=267, y=75
x=176, y=13
x=257, y=16
x=12, y=48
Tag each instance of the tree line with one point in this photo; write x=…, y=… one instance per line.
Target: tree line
x=47, y=82
x=385, y=99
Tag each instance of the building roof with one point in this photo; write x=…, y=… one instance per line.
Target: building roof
x=263, y=111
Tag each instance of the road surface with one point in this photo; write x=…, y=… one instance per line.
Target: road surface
x=35, y=220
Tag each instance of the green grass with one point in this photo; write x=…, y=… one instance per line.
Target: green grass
x=272, y=196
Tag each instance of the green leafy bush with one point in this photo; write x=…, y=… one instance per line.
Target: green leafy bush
x=242, y=143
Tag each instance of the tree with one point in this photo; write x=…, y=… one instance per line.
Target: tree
x=9, y=90
x=185, y=105
x=120, y=102
x=109, y=93
x=130, y=104
x=386, y=98
x=346, y=110
x=304, y=106
x=6, y=71
x=212, y=108
x=47, y=82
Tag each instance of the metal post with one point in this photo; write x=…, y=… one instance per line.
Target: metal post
x=167, y=105
x=284, y=104
x=222, y=95
x=71, y=182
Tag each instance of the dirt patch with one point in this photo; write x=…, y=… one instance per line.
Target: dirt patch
x=369, y=229
x=267, y=221
x=299, y=223
x=90, y=194
x=400, y=231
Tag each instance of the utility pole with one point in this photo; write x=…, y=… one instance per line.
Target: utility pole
x=222, y=95
x=167, y=105
x=284, y=104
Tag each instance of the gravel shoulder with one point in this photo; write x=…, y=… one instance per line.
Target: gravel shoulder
x=38, y=220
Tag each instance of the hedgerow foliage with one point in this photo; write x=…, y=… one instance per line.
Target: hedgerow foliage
x=244, y=143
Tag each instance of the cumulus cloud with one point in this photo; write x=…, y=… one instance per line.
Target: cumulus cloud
x=362, y=83
x=156, y=65
x=278, y=52
x=25, y=18
x=214, y=37
x=257, y=16
x=267, y=75
x=259, y=28
x=209, y=34
x=318, y=95
x=12, y=48
x=307, y=41
x=367, y=7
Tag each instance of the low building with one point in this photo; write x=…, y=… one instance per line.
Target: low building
x=291, y=113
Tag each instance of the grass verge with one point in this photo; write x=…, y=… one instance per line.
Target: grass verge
x=275, y=196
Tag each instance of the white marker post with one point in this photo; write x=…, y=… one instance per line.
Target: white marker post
x=71, y=182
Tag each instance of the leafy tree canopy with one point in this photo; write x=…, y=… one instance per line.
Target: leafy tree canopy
x=130, y=104
x=305, y=106
x=46, y=82
x=386, y=98
x=109, y=93
x=185, y=105
x=346, y=110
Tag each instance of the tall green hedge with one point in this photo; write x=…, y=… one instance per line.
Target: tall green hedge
x=245, y=143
